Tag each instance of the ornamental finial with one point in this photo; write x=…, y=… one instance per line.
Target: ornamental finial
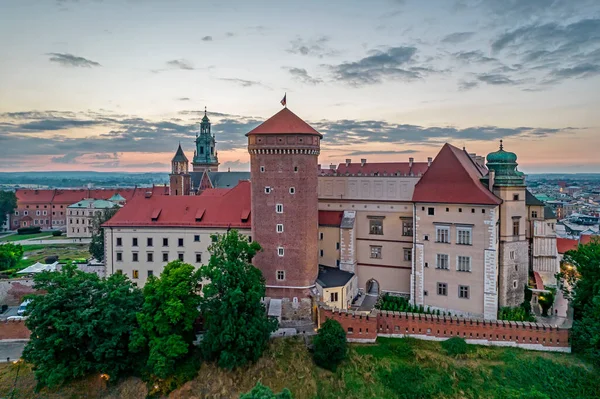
x=501, y=146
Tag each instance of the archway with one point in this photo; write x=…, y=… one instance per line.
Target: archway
x=372, y=287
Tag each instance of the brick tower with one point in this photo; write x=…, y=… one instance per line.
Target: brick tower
x=283, y=164
x=179, y=180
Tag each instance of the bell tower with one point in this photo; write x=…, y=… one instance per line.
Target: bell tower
x=179, y=180
x=205, y=155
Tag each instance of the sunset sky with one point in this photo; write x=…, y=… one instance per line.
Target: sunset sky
x=116, y=85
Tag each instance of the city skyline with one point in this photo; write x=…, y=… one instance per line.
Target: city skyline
x=113, y=86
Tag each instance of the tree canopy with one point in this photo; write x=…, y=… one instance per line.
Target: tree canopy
x=82, y=325
x=97, y=243
x=262, y=392
x=330, y=346
x=235, y=319
x=166, y=320
x=8, y=203
x=10, y=255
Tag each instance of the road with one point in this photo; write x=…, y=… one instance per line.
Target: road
x=55, y=242
x=11, y=350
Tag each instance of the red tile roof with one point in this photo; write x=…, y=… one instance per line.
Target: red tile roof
x=71, y=196
x=284, y=122
x=228, y=210
x=215, y=192
x=566, y=244
x=330, y=218
x=453, y=178
x=587, y=238
x=380, y=168
x=539, y=283
x=34, y=196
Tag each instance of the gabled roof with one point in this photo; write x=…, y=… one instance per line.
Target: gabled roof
x=179, y=156
x=227, y=179
x=453, y=178
x=33, y=196
x=333, y=277
x=381, y=168
x=330, y=218
x=549, y=213
x=213, y=211
x=531, y=199
x=284, y=122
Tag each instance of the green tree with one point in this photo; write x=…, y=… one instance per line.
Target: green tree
x=166, y=320
x=330, y=346
x=97, y=243
x=8, y=203
x=10, y=255
x=262, y=392
x=546, y=300
x=586, y=261
x=81, y=325
x=237, y=327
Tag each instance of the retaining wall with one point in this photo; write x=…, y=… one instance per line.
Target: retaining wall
x=13, y=330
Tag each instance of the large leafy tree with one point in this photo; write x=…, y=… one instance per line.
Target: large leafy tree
x=81, y=325
x=166, y=321
x=330, y=346
x=262, y=392
x=8, y=203
x=97, y=243
x=10, y=255
x=235, y=319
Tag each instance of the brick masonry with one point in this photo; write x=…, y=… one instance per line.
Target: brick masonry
x=13, y=330
x=361, y=327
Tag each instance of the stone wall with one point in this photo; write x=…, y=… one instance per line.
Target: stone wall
x=12, y=291
x=366, y=327
x=13, y=330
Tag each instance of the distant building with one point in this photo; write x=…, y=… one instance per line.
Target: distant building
x=80, y=216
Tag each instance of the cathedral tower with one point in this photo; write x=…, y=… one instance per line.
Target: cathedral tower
x=205, y=156
x=513, y=258
x=284, y=169
x=179, y=179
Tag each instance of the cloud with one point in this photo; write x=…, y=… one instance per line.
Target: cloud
x=207, y=39
x=183, y=99
x=69, y=158
x=473, y=57
x=180, y=64
x=301, y=75
x=316, y=47
x=579, y=71
x=399, y=63
x=70, y=60
x=243, y=82
x=496, y=79
x=236, y=165
x=457, y=37
x=466, y=85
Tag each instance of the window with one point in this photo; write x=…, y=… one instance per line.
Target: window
x=165, y=256
x=459, y=209
x=280, y=275
x=119, y=256
x=442, y=234
x=472, y=210
x=119, y=271
x=516, y=227
x=279, y=208
x=425, y=237
x=280, y=228
x=150, y=257
x=515, y=283
x=280, y=251
x=180, y=242
x=534, y=214
x=321, y=252
x=463, y=291
x=408, y=254
x=134, y=256
x=512, y=254
x=333, y=297
x=180, y=256
x=149, y=241
x=134, y=242
x=337, y=245
x=375, y=252
x=407, y=227
x=27, y=212
x=463, y=236
x=262, y=169
x=150, y=273
x=295, y=169
x=196, y=238
x=463, y=264
x=515, y=197
x=37, y=213
x=199, y=258
x=119, y=242
x=376, y=226
x=431, y=211
x=165, y=242
x=292, y=190
x=442, y=289
x=320, y=236
x=447, y=209
x=16, y=213
x=267, y=190
x=442, y=261
x=135, y=274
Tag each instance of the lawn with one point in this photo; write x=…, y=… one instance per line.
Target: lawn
x=39, y=252
x=392, y=368
x=20, y=237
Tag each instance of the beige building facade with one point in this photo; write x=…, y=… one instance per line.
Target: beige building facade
x=80, y=216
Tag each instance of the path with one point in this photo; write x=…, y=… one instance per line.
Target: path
x=11, y=349
x=368, y=303
x=56, y=242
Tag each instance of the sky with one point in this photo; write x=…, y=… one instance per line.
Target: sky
x=116, y=85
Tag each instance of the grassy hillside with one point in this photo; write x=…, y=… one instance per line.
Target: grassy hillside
x=393, y=368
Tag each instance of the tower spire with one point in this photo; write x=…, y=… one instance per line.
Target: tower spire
x=501, y=146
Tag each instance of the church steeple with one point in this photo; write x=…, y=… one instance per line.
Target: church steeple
x=179, y=179
x=205, y=156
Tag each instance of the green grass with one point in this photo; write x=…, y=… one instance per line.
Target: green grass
x=20, y=237
x=39, y=252
x=392, y=368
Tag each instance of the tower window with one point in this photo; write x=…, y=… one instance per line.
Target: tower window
x=515, y=197
x=280, y=275
x=201, y=150
x=279, y=208
x=262, y=169
x=267, y=190
x=280, y=251
x=292, y=190
x=295, y=169
x=280, y=228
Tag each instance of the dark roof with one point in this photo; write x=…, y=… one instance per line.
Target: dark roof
x=453, y=178
x=284, y=122
x=333, y=277
x=531, y=199
x=227, y=179
x=330, y=218
x=179, y=155
x=549, y=213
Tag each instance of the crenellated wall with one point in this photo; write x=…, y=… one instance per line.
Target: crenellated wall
x=363, y=327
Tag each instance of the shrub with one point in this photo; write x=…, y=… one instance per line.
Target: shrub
x=262, y=392
x=29, y=230
x=57, y=233
x=455, y=346
x=330, y=346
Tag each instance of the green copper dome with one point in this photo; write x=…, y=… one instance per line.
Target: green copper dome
x=504, y=165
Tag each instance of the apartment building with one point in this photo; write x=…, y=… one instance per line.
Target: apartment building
x=80, y=216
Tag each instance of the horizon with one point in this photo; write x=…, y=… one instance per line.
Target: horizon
x=99, y=86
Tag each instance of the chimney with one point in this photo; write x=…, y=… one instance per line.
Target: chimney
x=491, y=176
x=348, y=162
x=429, y=160
x=410, y=162
x=148, y=194
x=363, y=162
